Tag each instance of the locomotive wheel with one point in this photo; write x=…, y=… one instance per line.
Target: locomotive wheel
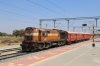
x=23, y=49
x=35, y=48
x=47, y=45
x=28, y=50
x=62, y=42
x=69, y=43
x=32, y=49
x=40, y=46
x=59, y=44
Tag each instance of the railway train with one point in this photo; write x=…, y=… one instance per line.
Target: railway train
x=38, y=39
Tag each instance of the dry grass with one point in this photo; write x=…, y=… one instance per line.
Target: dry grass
x=4, y=41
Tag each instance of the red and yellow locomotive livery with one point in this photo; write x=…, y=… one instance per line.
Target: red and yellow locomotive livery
x=42, y=38
x=35, y=38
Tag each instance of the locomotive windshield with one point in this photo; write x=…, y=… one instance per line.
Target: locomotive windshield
x=28, y=38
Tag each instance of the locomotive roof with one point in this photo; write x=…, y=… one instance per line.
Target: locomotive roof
x=43, y=29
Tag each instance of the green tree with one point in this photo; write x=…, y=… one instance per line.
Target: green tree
x=3, y=34
x=19, y=33
x=0, y=33
x=22, y=32
x=16, y=33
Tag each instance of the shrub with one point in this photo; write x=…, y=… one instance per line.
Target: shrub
x=15, y=41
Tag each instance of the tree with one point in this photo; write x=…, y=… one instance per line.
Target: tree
x=3, y=34
x=16, y=33
x=19, y=32
x=22, y=32
x=0, y=33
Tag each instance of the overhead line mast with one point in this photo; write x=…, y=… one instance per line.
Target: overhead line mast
x=68, y=19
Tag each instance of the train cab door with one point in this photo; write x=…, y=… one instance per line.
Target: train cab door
x=44, y=36
x=39, y=37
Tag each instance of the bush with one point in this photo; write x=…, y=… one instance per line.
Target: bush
x=15, y=41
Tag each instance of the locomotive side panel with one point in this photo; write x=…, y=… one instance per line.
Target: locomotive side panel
x=51, y=35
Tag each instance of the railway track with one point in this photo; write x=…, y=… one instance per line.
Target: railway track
x=3, y=57
x=10, y=53
x=8, y=50
x=14, y=55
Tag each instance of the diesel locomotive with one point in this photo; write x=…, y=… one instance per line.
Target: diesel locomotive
x=38, y=39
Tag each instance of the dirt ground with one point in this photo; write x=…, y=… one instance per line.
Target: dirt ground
x=5, y=41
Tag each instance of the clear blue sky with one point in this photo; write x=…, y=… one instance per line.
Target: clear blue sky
x=19, y=14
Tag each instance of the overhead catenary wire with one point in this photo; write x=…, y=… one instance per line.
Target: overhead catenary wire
x=25, y=9
x=46, y=8
x=60, y=7
x=18, y=14
x=18, y=21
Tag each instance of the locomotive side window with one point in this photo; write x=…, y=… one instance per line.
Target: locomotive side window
x=48, y=32
x=28, y=38
x=45, y=34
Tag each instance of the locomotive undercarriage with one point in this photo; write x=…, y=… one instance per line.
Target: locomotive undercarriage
x=40, y=45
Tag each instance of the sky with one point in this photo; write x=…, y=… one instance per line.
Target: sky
x=19, y=14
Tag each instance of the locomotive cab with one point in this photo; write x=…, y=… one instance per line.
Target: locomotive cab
x=29, y=38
